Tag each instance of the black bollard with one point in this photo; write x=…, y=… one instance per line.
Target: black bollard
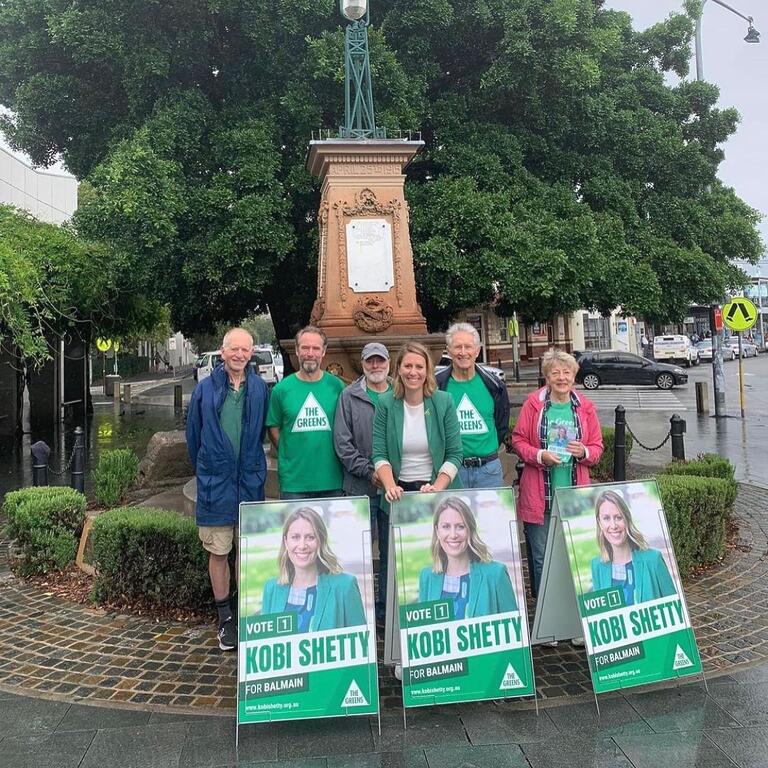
x=177, y=399
x=519, y=467
x=40, y=454
x=677, y=428
x=542, y=380
x=620, y=444
x=77, y=477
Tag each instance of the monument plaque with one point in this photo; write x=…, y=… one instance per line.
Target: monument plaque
x=369, y=255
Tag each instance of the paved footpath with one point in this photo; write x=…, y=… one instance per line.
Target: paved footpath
x=82, y=688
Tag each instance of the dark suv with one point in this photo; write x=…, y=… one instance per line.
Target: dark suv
x=612, y=367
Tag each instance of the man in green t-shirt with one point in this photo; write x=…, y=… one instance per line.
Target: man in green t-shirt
x=300, y=421
x=482, y=407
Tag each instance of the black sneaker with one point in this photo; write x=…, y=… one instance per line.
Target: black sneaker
x=227, y=635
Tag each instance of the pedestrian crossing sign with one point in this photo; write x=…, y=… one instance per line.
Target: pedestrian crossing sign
x=739, y=314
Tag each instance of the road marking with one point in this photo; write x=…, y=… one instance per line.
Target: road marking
x=635, y=399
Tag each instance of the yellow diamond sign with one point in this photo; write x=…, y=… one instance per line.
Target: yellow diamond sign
x=104, y=345
x=739, y=314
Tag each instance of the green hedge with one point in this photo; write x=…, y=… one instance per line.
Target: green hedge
x=115, y=473
x=698, y=497
x=704, y=465
x=142, y=553
x=45, y=524
x=698, y=510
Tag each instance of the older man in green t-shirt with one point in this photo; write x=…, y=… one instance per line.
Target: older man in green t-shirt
x=300, y=421
x=482, y=408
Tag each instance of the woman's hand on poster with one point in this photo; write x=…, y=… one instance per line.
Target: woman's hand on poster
x=550, y=459
x=576, y=449
x=428, y=488
x=393, y=493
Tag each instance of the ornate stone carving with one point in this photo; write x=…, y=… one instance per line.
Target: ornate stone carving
x=318, y=310
x=367, y=204
x=372, y=315
x=367, y=169
x=322, y=225
x=337, y=369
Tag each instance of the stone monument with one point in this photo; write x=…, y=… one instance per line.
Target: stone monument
x=365, y=284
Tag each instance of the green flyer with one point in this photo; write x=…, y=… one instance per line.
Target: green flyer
x=633, y=612
x=463, y=636
x=307, y=638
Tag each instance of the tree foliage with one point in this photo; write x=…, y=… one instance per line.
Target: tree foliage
x=559, y=169
x=52, y=282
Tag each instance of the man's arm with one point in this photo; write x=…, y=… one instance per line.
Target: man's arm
x=351, y=458
x=274, y=435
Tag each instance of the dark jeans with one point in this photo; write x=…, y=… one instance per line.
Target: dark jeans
x=294, y=495
x=380, y=524
x=535, y=548
x=411, y=485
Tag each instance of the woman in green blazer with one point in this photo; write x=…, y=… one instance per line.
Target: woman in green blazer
x=626, y=561
x=416, y=438
x=311, y=583
x=462, y=569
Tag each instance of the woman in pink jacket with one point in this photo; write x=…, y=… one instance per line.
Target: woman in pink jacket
x=558, y=437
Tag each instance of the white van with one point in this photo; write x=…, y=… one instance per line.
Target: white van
x=675, y=348
x=262, y=360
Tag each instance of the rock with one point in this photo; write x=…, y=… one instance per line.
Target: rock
x=166, y=460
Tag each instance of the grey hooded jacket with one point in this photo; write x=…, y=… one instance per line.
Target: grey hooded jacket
x=353, y=438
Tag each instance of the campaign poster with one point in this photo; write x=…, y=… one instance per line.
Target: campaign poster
x=307, y=637
x=633, y=612
x=460, y=596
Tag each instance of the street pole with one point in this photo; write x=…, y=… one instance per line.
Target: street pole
x=741, y=375
x=718, y=374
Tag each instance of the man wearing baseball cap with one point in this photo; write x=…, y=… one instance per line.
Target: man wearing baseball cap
x=353, y=439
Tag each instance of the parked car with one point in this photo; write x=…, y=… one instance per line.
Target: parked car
x=445, y=361
x=278, y=366
x=748, y=348
x=611, y=367
x=262, y=360
x=705, y=351
x=675, y=348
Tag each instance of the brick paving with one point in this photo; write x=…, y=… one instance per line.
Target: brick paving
x=56, y=649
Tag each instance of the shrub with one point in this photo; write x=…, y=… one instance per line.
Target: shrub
x=115, y=473
x=141, y=553
x=697, y=510
x=602, y=472
x=708, y=465
x=45, y=523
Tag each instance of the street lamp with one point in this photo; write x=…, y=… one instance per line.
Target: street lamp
x=752, y=36
x=718, y=374
x=354, y=9
x=359, y=118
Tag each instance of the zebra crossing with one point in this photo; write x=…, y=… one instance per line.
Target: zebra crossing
x=635, y=398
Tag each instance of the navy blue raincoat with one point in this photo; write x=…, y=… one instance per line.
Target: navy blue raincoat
x=223, y=481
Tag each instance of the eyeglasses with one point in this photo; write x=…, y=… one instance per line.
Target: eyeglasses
x=241, y=350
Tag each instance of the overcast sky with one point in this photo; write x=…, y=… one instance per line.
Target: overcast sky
x=740, y=71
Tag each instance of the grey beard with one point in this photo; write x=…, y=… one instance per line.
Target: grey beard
x=309, y=366
x=378, y=377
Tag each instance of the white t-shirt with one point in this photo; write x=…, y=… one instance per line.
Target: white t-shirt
x=417, y=460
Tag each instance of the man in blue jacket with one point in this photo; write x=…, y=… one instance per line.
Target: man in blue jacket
x=225, y=435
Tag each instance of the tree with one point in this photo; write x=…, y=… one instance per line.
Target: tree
x=52, y=282
x=559, y=170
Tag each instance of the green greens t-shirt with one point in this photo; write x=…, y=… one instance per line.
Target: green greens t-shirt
x=561, y=429
x=303, y=411
x=231, y=416
x=474, y=409
x=374, y=395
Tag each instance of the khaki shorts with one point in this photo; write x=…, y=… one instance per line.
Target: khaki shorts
x=217, y=539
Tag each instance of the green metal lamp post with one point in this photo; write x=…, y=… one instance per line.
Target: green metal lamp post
x=359, y=119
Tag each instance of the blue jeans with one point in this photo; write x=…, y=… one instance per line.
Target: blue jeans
x=535, y=547
x=380, y=524
x=293, y=495
x=490, y=475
